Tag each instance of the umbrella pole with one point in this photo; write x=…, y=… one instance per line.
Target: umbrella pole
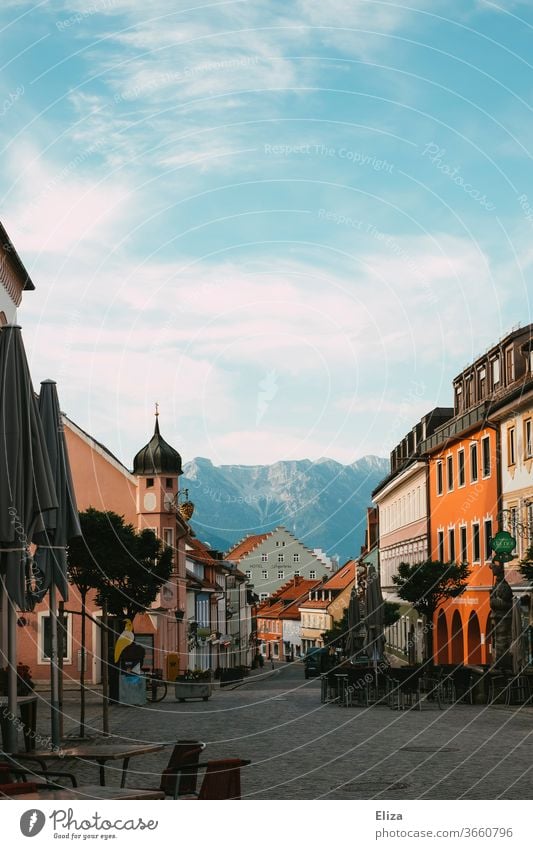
x=54, y=670
x=12, y=708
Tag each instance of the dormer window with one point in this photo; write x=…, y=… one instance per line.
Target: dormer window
x=509, y=365
x=495, y=365
x=149, y=482
x=482, y=383
x=169, y=483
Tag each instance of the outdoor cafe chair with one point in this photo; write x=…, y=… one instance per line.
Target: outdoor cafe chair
x=9, y=773
x=222, y=779
x=405, y=688
x=180, y=776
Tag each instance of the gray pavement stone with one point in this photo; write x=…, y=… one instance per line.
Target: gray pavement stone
x=301, y=749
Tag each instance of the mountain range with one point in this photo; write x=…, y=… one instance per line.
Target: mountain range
x=323, y=502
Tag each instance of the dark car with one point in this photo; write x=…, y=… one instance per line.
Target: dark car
x=315, y=662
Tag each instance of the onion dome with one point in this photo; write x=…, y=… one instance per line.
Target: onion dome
x=158, y=457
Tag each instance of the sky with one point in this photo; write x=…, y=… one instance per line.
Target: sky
x=291, y=224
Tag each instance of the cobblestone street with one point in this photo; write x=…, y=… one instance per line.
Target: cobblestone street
x=301, y=749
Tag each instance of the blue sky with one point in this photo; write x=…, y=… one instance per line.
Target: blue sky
x=289, y=223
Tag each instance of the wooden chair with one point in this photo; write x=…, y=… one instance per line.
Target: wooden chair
x=222, y=779
x=16, y=788
x=11, y=773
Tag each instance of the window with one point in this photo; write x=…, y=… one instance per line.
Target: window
x=440, y=546
x=296, y=558
x=511, y=447
x=312, y=573
x=459, y=399
x=513, y=520
x=481, y=383
x=281, y=574
x=149, y=482
x=468, y=387
x=439, y=477
x=277, y=543
x=264, y=557
x=264, y=573
x=248, y=573
x=451, y=545
x=461, y=466
x=487, y=533
x=168, y=483
x=168, y=536
x=297, y=573
x=46, y=637
x=528, y=438
x=263, y=596
x=473, y=463
x=509, y=365
x=475, y=543
x=485, y=456
x=495, y=372
x=281, y=558
x=530, y=524
x=449, y=472
x=464, y=548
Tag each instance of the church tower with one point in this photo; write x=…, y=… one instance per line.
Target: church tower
x=158, y=467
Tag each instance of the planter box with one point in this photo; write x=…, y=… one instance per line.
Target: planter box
x=193, y=690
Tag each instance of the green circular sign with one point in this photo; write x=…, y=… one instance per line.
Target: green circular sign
x=503, y=543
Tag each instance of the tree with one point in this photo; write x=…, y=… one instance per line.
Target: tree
x=338, y=633
x=426, y=586
x=126, y=568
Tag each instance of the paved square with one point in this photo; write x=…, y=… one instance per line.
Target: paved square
x=301, y=749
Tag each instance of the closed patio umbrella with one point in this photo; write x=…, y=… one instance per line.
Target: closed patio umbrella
x=375, y=641
x=61, y=525
x=519, y=648
x=26, y=488
x=354, y=622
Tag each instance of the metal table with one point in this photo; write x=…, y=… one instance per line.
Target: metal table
x=99, y=754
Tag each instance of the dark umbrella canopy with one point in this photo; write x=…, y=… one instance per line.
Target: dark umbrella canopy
x=375, y=619
x=61, y=524
x=26, y=481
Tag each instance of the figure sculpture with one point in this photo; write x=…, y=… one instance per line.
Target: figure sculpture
x=501, y=606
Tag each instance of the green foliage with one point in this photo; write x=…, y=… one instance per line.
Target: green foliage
x=126, y=568
x=427, y=585
x=391, y=613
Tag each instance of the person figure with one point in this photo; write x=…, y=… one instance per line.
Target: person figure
x=501, y=606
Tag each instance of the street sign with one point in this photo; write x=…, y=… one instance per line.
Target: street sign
x=503, y=544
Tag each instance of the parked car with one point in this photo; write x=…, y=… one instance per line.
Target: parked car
x=315, y=661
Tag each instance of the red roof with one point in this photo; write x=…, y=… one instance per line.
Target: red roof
x=280, y=602
x=197, y=550
x=316, y=604
x=341, y=578
x=245, y=546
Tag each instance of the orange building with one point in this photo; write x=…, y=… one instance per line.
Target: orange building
x=463, y=499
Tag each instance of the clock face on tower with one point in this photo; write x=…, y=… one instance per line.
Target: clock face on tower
x=150, y=501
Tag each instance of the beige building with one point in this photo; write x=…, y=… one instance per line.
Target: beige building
x=326, y=605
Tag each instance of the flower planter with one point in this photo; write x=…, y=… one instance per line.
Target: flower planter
x=193, y=690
